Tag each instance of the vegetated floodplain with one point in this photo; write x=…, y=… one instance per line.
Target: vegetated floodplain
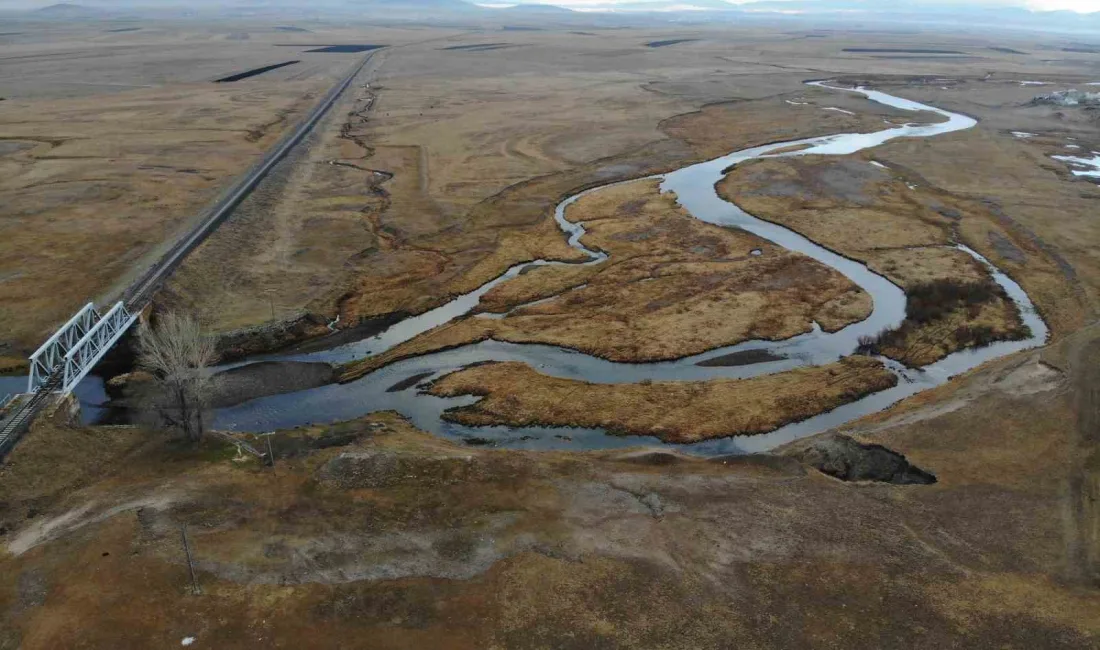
x=255, y=71
x=673, y=41
x=514, y=394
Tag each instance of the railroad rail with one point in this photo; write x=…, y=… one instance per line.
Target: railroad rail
x=68, y=355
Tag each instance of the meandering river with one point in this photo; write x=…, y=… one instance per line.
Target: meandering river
x=694, y=186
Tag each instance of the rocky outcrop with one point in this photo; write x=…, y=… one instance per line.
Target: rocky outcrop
x=848, y=460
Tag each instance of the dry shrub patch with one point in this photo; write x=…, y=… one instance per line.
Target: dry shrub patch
x=942, y=316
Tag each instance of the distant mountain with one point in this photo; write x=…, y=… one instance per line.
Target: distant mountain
x=285, y=9
x=827, y=14
x=382, y=9
x=68, y=11
x=538, y=9
x=450, y=5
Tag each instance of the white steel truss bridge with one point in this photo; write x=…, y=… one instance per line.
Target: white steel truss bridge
x=75, y=348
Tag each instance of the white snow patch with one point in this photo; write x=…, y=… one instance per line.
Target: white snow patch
x=1073, y=146
x=187, y=640
x=796, y=103
x=878, y=164
x=1034, y=83
x=1091, y=165
x=1023, y=134
x=839, y=110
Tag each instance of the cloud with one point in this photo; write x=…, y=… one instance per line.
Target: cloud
x=1083, y=6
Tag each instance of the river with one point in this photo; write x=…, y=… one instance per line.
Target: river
x=694, y=186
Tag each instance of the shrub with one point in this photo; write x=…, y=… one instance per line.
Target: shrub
x=928, y=304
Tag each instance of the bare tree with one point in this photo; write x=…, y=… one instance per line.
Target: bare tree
x=179, y=354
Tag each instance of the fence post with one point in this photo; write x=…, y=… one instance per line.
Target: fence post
x=190, y=563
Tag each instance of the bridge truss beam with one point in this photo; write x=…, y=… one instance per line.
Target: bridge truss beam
x=52, y=353
x=87, y=352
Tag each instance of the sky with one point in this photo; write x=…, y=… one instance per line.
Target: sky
x=1083, y=6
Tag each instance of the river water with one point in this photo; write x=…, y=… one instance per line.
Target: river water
x=695, y=188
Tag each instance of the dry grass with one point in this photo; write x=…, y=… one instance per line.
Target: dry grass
x=1036, y=217
x=909, y=267
x=673, y=286
x=1036, y=223
x=983, y=558
x=828, y=198
x=905, y=233
x=516, y=395
x=477, y=171
x=646, y=549
x=776, y=119
x=53, y=459
x=112, y=143
x=535, y=284
x=480, y=148
x=110, y=179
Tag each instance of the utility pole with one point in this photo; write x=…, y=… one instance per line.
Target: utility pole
x=190, y=562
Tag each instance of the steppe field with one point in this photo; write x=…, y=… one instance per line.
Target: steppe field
x=963, y=516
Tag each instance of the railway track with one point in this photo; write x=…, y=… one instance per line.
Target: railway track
x=141, y=291
x=138, y=295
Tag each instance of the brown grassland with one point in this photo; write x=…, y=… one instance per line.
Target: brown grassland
x=93, y=188
x=441, y=170
x=103, y=163
x=518, y=396
x=445, y=182
x=905, y=232
x=673, y=287
x=385, y=537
